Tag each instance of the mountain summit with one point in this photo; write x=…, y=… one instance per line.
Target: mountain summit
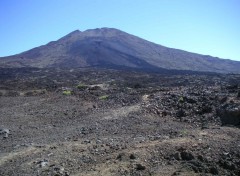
x=108, y=47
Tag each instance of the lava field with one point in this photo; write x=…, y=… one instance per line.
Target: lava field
x=80, y=122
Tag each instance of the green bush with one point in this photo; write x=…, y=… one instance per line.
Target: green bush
x=67, y=92
x=181, y=100
x=82, y=86
x=104, y=97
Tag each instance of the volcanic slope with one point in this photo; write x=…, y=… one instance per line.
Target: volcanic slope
x=109, y=47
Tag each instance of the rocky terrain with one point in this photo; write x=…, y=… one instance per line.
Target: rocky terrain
x=107, y=122
x=112, y=48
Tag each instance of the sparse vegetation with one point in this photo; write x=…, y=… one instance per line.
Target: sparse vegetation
x=184, y=132
x=82, y=86
x=67, y=92
x=181, y=100
x=104, y=97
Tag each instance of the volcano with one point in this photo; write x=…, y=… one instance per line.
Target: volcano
x=112, y=48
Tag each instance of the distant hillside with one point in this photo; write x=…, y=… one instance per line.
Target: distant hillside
x=107, y=47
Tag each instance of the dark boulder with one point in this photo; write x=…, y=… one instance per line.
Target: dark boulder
x=187, y=156
x=214, y=170
x=180, y=113
x=223, y=99
x=140, y=167
x=176, y=156
x=190, y=100
x=132, y=156
x=229, y=114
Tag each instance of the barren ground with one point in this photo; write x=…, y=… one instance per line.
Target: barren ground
x=118, y=123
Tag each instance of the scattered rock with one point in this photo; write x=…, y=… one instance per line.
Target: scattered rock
x=227, y=165
x=229, y=114
x=164, y=113
x=213, y=170
x=176, y=156
x=187, y=156
x=204, y=124
x=200, y=157
x=196, y=166
x=176, y=173
x=206, y=109
x=94, y=87
x=121, y=156
x=140, y=167
x=180, y=113
x=132, y=156
x=5, y=135
x=232, y=87
x=190, y=100
x=59, y=170
x=5, y=132
x=43, y=163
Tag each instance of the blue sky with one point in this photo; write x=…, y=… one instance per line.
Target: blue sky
x=210, y=27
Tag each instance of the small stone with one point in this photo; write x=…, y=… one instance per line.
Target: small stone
x=120, y=156
x=176, y=156
x=87, y=141
x=223, y=100
x=200, y=157
x=214, y=171
x=4, y=131
x=180, y=113
x=164, y=113
x=205, y=125
x=228, y=165
x=132, y=156
x=140, y=167
x=176, y=173
x=5, y=135
x=43, y=163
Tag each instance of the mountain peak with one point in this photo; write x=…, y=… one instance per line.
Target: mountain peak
x=104, y=32
x=98, y=32
x=75, y=32
x=103, y=29
x=71, y=36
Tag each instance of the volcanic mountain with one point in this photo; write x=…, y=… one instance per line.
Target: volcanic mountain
x=112, y=48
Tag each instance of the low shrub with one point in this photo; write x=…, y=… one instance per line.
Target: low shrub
x=104, y=97
x=82, y=86
x=67, y=92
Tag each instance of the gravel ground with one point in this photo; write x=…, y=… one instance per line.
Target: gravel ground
x=118, y=123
